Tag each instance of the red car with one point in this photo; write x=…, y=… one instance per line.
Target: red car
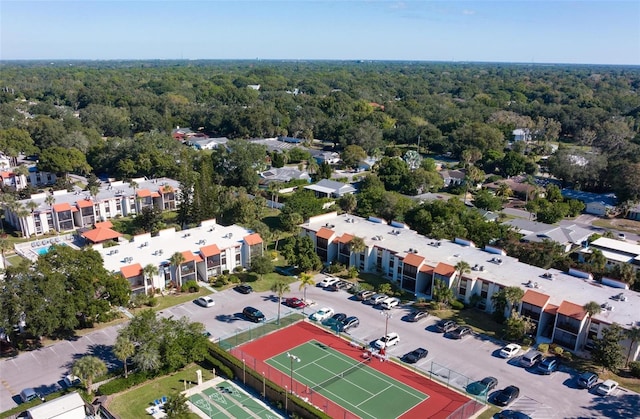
x=294, y=302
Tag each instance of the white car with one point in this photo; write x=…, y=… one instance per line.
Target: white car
x=390, y=340
x=329, y=280
x=71, y=380
x=323, y=314
x=205, y=302
x=607, y=387
x=510, y=350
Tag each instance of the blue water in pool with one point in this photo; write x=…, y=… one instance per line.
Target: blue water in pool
x=42, y=251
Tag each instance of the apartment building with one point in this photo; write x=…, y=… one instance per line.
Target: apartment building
x=553, y=299
x=207, y=250
x=64, y=211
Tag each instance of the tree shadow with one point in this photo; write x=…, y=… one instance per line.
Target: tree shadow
x=624, y=404
x=229, y=318
x=272, y=298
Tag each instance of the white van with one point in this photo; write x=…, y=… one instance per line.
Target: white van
x=531, y=358
x=390, y=303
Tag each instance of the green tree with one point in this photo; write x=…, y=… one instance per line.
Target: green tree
x=442, y=294
x=353, y=155
x=607, y=351
x=300, y=251
x=88, y=368
x=633, y=335
x=261, y=265
x=124, y=349
x=280, y=288
x=176, y=260
x=356, y=247
x=306, y=280
x=176, y=406
x=348, y=203
x=149, y=271
x=517, y=326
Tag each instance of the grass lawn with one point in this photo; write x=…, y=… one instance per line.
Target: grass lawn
x=132, y=403
x=259, y=284
x=489, y=413
x=171, y=300
x=479, y=320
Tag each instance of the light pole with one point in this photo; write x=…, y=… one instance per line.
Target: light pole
x=244, y=372
x=387, y=316
x=264, y=386
x=296, y=359
x=286, y=400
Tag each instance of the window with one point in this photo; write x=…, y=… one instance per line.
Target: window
x=568, y=340
x=531, y=311
x=463, y=287
x=484, y=290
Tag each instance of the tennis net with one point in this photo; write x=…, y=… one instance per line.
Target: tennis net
x=341, y=375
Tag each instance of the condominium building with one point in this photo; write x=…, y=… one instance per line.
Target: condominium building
x=205, y=251
x=553, y=299
x=64, y=211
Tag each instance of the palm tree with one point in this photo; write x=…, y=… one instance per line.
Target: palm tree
x=50, y=200
x=4, y=246
x=134, y=185
x=305, y=281
x=504, y=190
x=124, y=349
x=357, y=246
x=633, y=335
x=176, y=260
x=280, y=288
x=87, y=369
x=591, y=308
x=312, y=166
x=149, y=271
x=513, y=295
x=597, y=259
x=21, y=171
x=31, y=206
x=462, y=267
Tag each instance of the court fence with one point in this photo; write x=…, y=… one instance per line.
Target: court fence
x=241, y=336
x=452, y=378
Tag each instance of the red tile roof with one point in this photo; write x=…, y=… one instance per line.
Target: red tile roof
x=210, y=250
x=100, y=234
x=444, y=269
x=551, y=309
x=7, y=174
x=131, y=271
x=143, y=193
x=166, y=189
x=253, y=239
x=413, y=260
x=535, y=298
x=84, y=203
x=325, y=233
x=426, y=268
x=155, y=195
x=103, y=224
x=345, y=238
x=62, y=207
x=189, y=256
x=572, y=310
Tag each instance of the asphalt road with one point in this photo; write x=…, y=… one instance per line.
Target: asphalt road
x=472, y=358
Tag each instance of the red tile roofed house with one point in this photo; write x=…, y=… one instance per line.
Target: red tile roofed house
x=63, y=216
x=532, y=306
x=187, y=269
x=144, y=199
x=570, y=319
x=87, y=213
x=101, y=234
x=212, y=259
x=344, y=250
x=324, y=238
x=104, y=224
x=167, y=197
x=410, y=272
x=135, y=276
x=254, y=242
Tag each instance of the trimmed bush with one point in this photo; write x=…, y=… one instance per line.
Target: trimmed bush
x=120, y=384
x=635, y=368
x=543, y=347
x=190, y=286
x=456, y=305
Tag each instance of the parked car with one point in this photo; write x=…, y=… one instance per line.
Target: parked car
x=547, y=366
x=336, y=319
x=71, y=380
x=205, y=301
x=294, y=302
x=417, y=315
x=415, y=355
x=531, y=358
x=445, y=326
x=29, y=394
x=253, y=314
x=349, y=323
x=384, y=342
x=607, y=387
x=506, y=395
x=510, y=350
x=460, y=332
x=340, y=285
x=376, y=299
x=364, y=295
x=243, y=289
x=389, y=303
x=328, y=280
x=513, y=414
x=321, y=315
x=482, y=387
x=587, y=380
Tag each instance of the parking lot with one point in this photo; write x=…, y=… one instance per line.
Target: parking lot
x=455, y=361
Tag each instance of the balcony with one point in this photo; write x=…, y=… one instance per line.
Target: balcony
x=568, y=327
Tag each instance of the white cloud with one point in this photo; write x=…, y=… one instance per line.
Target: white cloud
x=468, y=12
x=398, y=5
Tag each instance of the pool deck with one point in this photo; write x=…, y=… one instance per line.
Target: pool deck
x=29, y=250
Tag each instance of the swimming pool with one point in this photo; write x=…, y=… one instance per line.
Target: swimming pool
x=42, y=251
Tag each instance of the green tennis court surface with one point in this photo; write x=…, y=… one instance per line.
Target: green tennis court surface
x=226, y=401
x=355, y=386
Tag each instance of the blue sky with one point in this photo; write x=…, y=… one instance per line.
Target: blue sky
x=588, y=32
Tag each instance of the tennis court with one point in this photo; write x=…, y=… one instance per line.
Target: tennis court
x=354, y=385
x=227, y=401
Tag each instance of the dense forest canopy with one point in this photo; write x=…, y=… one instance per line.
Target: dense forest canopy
x=119, y=114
